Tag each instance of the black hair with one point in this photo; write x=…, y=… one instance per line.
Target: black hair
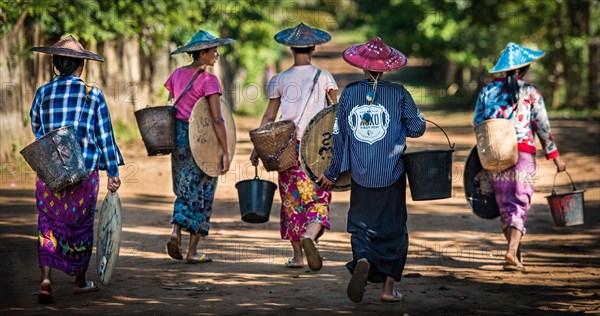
x=66, y=65
x=513, y=84
x=195, y=54
x=375, y=74
x=303, y=50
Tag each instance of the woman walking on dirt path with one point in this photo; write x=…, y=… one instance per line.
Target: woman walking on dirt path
x=301, y=92
x=373, y=120
x=500, y=99
x=66, y=219
x=194, y=189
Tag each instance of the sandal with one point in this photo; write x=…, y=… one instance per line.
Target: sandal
x=201, y=259
x=290, y=264
x=90, y=286
x=45, y=294
x=396, y=297
x=315, y=261
x=358, y=282
x=174, y=249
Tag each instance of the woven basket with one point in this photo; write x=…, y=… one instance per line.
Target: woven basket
x=275, y=144
x=157, y=126
x=57, y=159
x=497, y=144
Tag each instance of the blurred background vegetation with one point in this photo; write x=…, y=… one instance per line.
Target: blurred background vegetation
x=450, y=45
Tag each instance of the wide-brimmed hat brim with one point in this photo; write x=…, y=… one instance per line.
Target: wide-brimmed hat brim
x=202, y=45
x=67, y=52
x=394, y=61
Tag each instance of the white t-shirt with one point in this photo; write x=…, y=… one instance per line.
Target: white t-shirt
x=293, y=87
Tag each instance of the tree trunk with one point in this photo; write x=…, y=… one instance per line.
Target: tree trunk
x=594, y=72
x=92, y=69
x=160, y=74
x=15, y=92
x=230, y=88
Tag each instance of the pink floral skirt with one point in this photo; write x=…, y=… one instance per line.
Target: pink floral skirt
x=302, y=202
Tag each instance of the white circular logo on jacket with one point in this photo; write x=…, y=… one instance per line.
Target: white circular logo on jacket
x=369, y=122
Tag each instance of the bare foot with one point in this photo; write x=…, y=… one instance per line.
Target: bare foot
x=45, y=294
x=512, y=258
x=512, y=262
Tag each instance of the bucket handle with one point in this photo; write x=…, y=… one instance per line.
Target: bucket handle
x=449, y=145
x=554, y=182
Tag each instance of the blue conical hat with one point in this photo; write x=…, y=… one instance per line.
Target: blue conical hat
x=516, y=56
x=302, y=36
x=202, y=40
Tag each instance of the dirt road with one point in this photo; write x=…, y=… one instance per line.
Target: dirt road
x=454, y=264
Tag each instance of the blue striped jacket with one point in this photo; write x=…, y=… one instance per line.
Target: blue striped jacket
x=62, y=102
x=369, y=139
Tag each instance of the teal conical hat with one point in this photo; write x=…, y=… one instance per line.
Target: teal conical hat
x=202, y=40
x=516, y=56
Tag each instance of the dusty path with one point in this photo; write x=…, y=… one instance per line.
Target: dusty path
x=454, y=264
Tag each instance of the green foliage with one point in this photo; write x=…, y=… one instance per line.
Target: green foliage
x=466, y=34
x=471, y=34
x=125, y=133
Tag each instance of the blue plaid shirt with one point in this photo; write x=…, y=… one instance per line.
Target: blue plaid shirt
x=62, y=102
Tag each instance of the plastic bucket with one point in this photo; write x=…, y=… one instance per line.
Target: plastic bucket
x=567, y=209
x=157, y=126
x=57, y=160
x=429, y=172
x=255, y=199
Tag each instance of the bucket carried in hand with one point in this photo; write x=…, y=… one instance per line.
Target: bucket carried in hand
x=157, y=126
x=430, y=172
x=497, y=144
x=567, y=208
x=255, y=198
x=275, y=144
x=57, y=159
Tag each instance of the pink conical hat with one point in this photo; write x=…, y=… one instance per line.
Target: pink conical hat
x=374, y=55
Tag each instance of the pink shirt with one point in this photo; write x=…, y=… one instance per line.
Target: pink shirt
x=205, y=85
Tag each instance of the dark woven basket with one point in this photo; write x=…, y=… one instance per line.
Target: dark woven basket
x=57, y=159
x=157, y=126
x=275, y=144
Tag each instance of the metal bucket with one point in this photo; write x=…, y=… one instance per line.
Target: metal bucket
x=430, y=172
x=157, y=126
x=255, y=198
x=567, y=209
x=57, y=159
